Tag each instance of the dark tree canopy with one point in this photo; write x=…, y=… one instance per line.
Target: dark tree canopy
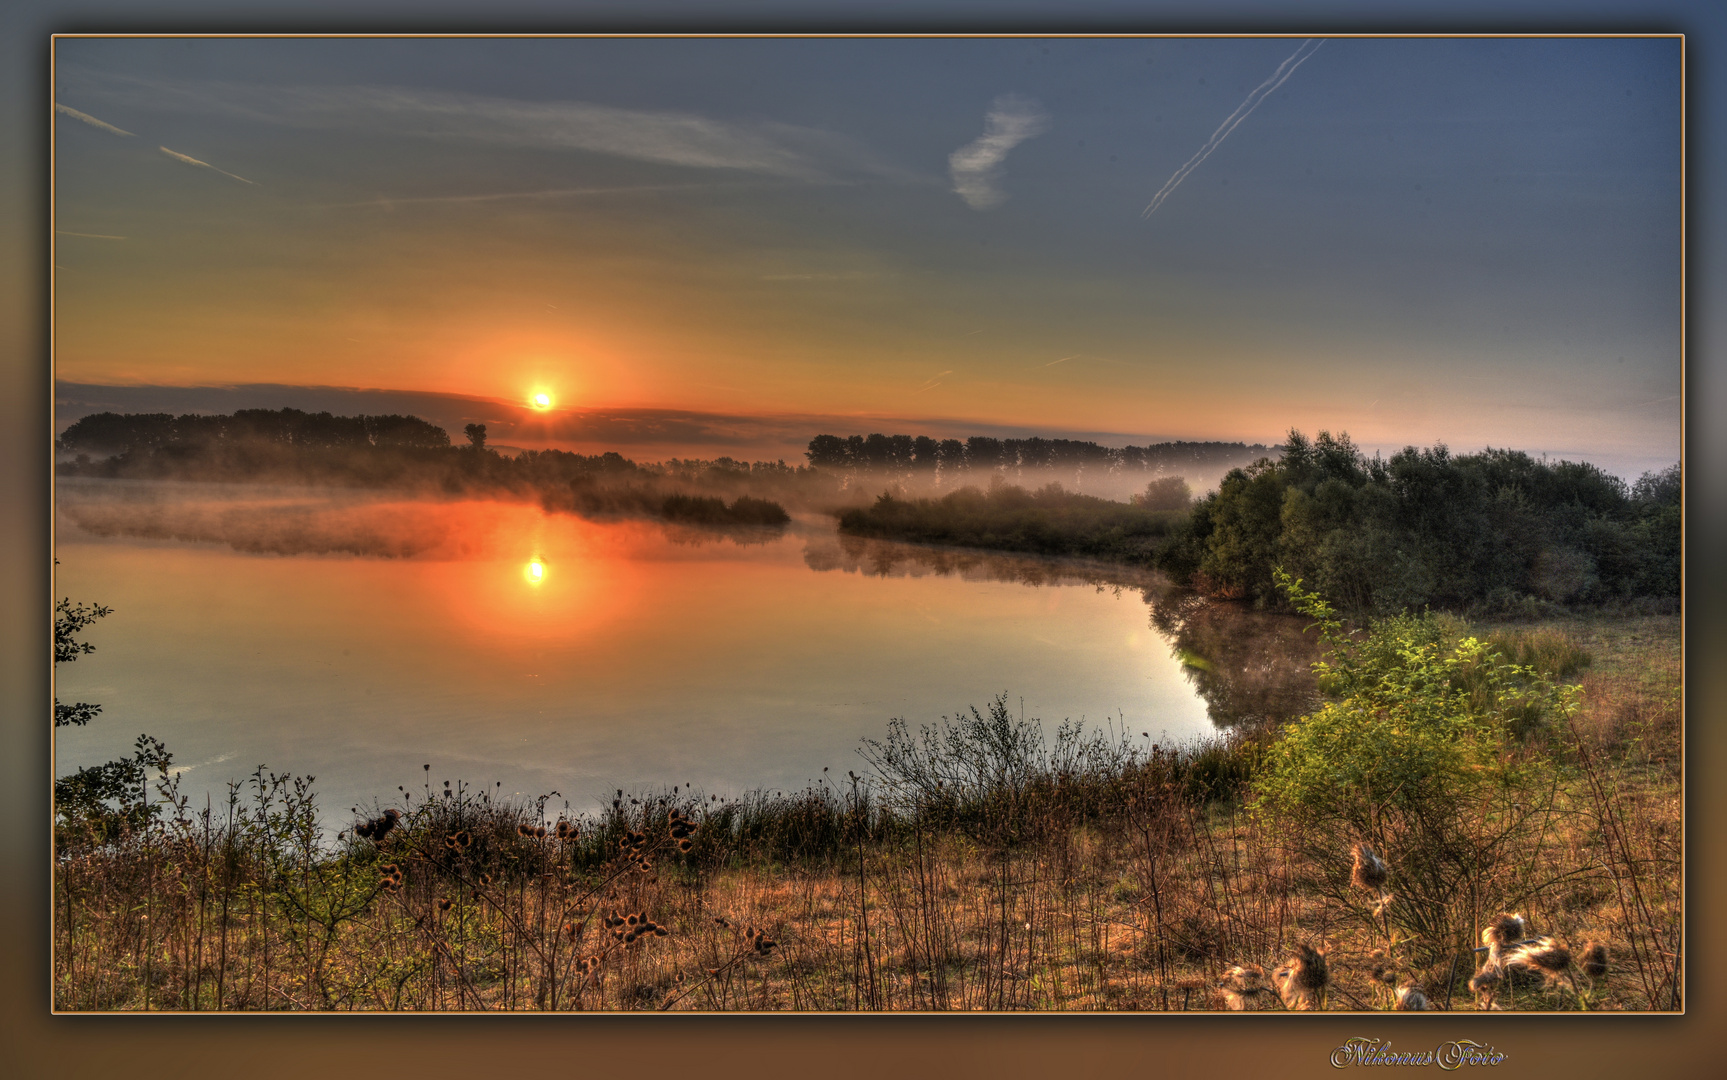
x=1497, y=530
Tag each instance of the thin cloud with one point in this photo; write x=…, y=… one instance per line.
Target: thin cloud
x=1063, y=360
x=88, y=235
x=1260, y=93
x=932, y=382
x=976, y=166
x=390, y=202
x=91, y=120
x=177, y=156
x=660, y=136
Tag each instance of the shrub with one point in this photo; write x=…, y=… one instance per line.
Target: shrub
x=1429, y=749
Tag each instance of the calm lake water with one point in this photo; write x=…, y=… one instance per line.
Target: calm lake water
x=357, y=638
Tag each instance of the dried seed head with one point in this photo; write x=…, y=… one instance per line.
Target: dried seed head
x=444, y=903
x=539, y=832
x=1243, y=979
x=1503, y=931
x=1410, y=999
x=1542, y=955
x=485, y=879
x=1302, y=979
x=1384, y=968
x=1485, y=981
x=524, y=829
x=1594, y=959
x=1369, y=870
x=685, y=846
x=660, y=931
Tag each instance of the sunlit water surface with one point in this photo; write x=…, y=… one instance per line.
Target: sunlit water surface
x=527, y=652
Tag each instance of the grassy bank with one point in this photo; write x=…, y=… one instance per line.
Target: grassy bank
x=982, y=864
x=1049, y=522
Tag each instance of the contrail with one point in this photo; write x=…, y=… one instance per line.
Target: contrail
x=1284, y=71
x=177, y=156
x=88, y=119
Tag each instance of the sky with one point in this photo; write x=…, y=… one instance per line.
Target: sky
x=1475, y=241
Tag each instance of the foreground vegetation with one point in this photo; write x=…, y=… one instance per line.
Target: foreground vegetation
x=980, y=864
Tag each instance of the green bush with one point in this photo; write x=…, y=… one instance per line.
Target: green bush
x=1430, y=747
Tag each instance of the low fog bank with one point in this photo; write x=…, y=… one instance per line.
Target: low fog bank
x=276, y=520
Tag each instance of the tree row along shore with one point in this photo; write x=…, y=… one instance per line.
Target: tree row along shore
x=1495, y=533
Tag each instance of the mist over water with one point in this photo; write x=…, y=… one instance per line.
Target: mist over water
x=356, y=637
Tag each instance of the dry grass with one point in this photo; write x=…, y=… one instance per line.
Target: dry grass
x=1131, y=887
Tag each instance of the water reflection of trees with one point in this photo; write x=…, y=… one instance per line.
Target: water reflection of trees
x=1250, y=667
x=886, y=558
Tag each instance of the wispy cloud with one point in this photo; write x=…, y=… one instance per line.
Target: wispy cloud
x=661, y=136
x=1260, y=93
x=177, y=156
x=1063, y=360
x=88, y=119
x=389, y=202
x=88, y=235
x=976, y=166
x=932, y=382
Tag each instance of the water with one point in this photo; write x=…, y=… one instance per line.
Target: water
x=358, y=638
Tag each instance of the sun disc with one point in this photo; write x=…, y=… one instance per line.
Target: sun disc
x=542, y=401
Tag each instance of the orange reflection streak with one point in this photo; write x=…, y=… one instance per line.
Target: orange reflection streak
x=567, y=579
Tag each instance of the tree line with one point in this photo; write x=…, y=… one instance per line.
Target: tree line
x=982, y=454
x=1492, y=531
x=405, y=452
x=140, y=433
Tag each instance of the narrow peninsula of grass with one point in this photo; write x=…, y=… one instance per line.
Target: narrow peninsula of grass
x=1048, y=521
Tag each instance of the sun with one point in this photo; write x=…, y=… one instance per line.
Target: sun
x=535, y=572
x=541, y=400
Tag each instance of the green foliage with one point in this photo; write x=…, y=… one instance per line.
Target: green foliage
x=1431, y=747
x=100, y=804
x=1496, y=532
x=702, y=510
x=1415, y=717
x=1048, y=521
x=1167, y=493
x=69, y=620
